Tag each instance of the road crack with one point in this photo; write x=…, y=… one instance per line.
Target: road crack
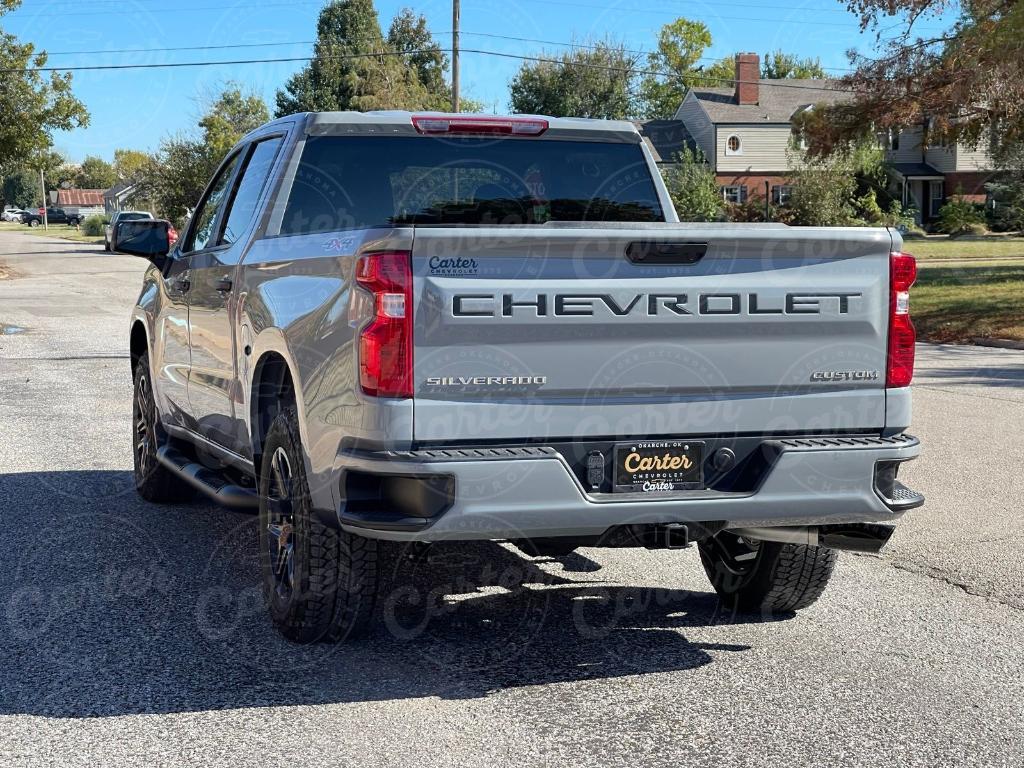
x=938, y=574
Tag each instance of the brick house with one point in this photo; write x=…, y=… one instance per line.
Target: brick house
x=746, y=134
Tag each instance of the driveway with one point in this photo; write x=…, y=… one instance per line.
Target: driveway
x=135, y=634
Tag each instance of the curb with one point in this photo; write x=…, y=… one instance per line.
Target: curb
x=999, y=343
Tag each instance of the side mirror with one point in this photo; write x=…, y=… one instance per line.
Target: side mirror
x=148, y=238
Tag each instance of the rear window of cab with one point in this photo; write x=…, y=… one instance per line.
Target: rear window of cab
x=357, y=182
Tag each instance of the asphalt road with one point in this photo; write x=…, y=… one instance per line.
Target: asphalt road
x=134, y=634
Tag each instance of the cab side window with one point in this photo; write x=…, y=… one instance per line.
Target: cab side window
x=201, y=234
x=248, y=190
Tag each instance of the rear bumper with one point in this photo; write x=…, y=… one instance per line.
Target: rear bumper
x=532, y=492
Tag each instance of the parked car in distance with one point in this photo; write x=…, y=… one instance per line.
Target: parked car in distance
x=13, y=214
x=53, y=216
x=108, y=233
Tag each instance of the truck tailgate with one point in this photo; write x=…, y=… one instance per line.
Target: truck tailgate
x=554, y=332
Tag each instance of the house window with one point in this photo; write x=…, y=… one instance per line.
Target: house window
x=733, y=146
x=734, y=193
x=781, y=194
x=894, y=139
x=936, y=198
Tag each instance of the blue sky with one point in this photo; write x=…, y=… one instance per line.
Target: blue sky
x=136, y=108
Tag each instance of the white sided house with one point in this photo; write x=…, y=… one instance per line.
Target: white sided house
x=746, y=134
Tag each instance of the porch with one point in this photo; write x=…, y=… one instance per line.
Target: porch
x=921, y=187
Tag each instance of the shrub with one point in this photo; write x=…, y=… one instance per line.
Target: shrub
x=959, y=216
x=692, y=186
x=869, y=209
x=902, y=217
x=1006, y=212
x=913, y=232
x=972, y=229
x=93, y=225
x=752, y=209
x=1006, y=218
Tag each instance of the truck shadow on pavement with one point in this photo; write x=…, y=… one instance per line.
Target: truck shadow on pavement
x=112, y=606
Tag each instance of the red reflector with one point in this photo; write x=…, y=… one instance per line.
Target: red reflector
x=473, y=124
x=902, y=336
x=385, y=343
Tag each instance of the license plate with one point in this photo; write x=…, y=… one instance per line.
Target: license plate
x=659, y=466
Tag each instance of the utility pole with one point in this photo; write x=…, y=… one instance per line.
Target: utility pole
x=455, y=55
x=42, y=188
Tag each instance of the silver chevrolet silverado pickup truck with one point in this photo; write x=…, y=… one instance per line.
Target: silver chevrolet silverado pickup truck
x=383, y=328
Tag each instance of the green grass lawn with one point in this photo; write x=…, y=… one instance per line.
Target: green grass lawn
x=63, y=231
x=969, y=300
x=944, y=248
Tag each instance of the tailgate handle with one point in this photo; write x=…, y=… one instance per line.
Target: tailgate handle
x=647, y=252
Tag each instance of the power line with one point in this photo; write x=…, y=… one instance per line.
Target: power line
x=181, y=48
x=146, y=11
x=660, y=12
x=567, y=44
x=292, y=59
x=179, y=64
x=715, y=17
x=655, y=73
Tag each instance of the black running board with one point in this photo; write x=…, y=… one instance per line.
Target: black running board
x=208, y=481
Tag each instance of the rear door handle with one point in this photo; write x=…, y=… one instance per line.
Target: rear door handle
x=224, y=285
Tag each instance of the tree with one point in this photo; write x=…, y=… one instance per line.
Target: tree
x=721, y=74
x=95, y=173
x=355, y=67
x=780, y=66
x=825, y=189
x=231, y=116
x=960, y=84
x=692, y=186
x=21, y=189
x=409, y=35
x=1006, y=188
x=591, y=81
x=681, y=45
x=32, y=103
x=175, y=177
x=130, y=164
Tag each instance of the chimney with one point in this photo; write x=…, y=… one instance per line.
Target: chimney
x=748, y=73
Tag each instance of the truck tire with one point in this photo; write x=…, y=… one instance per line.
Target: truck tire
x=766, y=577
x=321, y=583
x=34, y=222
x=153, y=481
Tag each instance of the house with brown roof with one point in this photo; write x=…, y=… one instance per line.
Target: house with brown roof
x=746, y=134
x=81, y=202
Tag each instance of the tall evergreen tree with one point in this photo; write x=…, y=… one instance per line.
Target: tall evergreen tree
x=355, y=67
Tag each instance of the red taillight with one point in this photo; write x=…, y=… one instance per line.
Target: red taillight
x=385, y=343
x=172, y=235
x=902, y=337
x=505, y=126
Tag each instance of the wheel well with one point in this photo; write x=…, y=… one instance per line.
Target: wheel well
x=139, y=344
x=272, y=390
